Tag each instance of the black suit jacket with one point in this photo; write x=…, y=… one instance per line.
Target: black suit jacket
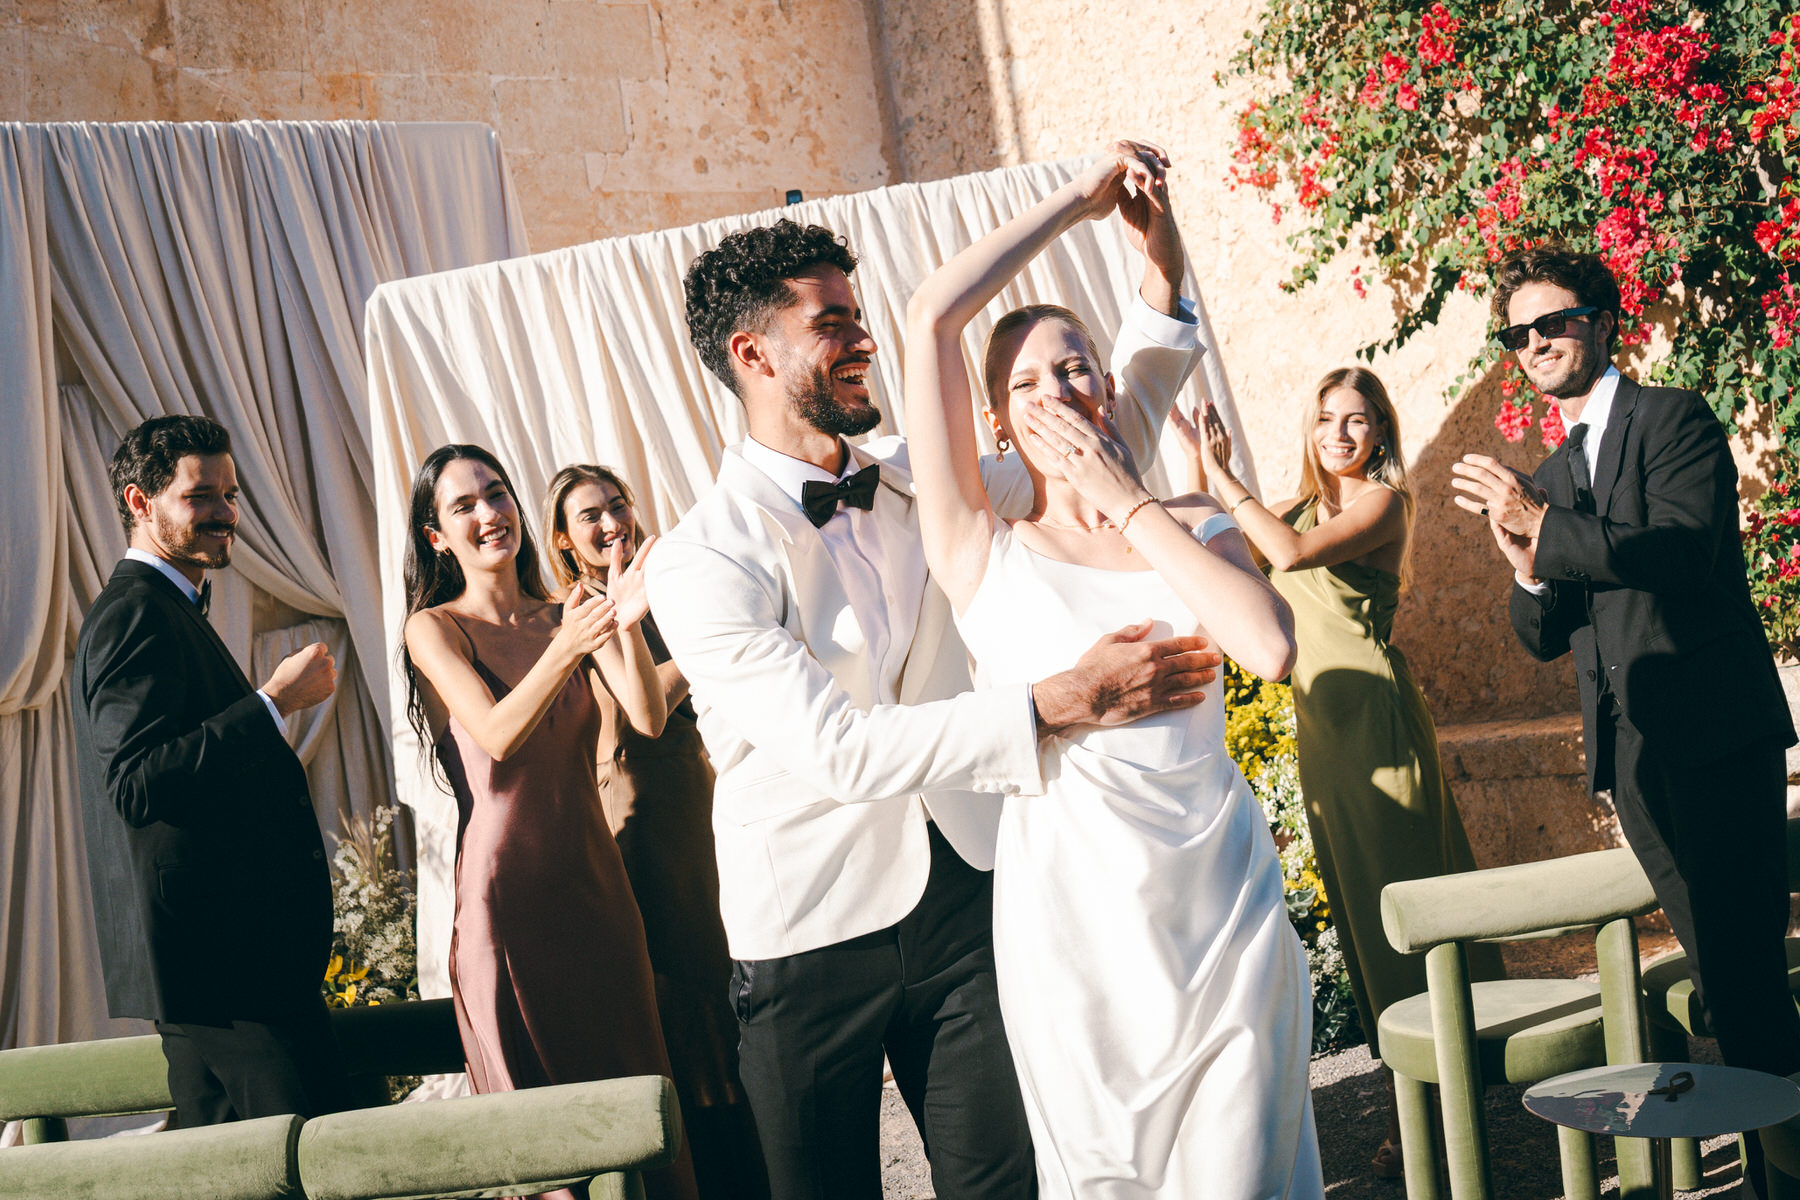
x=212, y=897
x=1649, y=590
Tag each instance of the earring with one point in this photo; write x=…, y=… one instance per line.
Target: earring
x=1002, y=444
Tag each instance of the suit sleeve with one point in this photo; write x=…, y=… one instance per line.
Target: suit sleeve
x=155, y=765
x=1543, y=624
x=1690, y=498
x=723, y=630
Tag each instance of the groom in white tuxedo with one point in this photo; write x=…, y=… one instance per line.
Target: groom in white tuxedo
x=852, y=756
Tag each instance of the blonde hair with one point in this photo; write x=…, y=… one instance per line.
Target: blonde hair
x=1386, y=464
x=993, y=371
x=562, y=562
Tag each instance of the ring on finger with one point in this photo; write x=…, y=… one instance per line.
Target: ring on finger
x=1068, y=449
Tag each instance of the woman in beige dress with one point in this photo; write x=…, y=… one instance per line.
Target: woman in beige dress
x=657, y=792
x=1377, y=802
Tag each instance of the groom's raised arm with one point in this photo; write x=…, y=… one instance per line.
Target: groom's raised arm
x=724, y=630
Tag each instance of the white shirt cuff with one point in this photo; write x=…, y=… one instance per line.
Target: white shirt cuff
x=1177, y=333
x=1540, y=590
x=274, y=713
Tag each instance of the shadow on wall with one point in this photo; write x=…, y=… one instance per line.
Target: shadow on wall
x=1452, y=623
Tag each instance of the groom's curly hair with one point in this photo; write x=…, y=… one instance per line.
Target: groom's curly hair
x=738, y=285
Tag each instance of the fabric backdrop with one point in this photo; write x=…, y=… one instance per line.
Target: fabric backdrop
x=221, y=270
x=581, y=355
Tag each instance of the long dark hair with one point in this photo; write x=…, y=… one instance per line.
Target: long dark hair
x=433, y=579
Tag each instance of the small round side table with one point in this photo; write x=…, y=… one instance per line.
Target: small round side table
x=1665, y=1100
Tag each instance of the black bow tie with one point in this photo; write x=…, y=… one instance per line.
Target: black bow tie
x=821, y=500
x=204, y=599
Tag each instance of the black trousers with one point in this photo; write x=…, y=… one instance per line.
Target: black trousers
x=814, y=1026
x=1712, y=836
x=246, y=1069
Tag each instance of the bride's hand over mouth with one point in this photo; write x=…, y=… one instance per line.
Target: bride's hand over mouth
x=1091, y=458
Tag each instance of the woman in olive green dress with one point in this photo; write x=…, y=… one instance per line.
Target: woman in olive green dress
x=1377, y=802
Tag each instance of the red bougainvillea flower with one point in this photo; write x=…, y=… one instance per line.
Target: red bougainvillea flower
x=1551, y=426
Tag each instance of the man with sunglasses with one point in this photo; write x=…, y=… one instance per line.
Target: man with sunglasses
x=1625, y=550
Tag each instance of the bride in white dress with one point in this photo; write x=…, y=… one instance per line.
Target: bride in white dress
x=1156, y=998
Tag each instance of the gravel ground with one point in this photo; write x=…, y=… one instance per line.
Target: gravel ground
x=1349, y=1105
x=1348, y=1102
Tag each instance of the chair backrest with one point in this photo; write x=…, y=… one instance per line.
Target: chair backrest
x=1515, y=902
x=123, y=1076
x=545, y=1137
x=242, y=1160
x=113, y=1078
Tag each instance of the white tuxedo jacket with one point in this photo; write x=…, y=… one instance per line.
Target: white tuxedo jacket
x=827, y=763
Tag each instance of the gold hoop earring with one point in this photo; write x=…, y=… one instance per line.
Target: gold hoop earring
x=1002, y=444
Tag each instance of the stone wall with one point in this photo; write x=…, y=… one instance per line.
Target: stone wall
x=616, y=117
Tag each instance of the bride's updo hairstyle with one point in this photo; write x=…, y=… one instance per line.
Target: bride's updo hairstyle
x=994, y=372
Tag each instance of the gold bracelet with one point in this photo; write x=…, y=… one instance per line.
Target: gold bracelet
x=1241, y=500
x=1134, y=511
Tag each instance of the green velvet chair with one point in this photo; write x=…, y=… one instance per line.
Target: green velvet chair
x=245, y=1160
x=1463, y=1037
x=499, y=1145
x=1675, y=1013
x=44, y=1086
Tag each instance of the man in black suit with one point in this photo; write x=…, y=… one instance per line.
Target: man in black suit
x=212, y=897
x=1625, y=550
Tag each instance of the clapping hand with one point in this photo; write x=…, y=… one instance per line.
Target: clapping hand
x=1512, y=503
x=1092, y=458
x=588, y=622
x=1208, y=443
x=631, y=600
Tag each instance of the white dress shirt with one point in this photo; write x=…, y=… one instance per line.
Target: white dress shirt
x=851, y=537
x=193, y=594
x=1594, y=415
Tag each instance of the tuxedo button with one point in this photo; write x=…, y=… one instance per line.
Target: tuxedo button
x=1535, y=622
x=318, y=854
x=1592, y=675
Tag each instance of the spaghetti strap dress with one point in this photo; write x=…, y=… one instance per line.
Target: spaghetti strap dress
x=548, y=968
x=1377, y=803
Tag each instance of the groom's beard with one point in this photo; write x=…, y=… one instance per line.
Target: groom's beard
x=815, y=398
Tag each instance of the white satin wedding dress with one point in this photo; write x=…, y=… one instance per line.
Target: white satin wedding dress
x=1155, y=996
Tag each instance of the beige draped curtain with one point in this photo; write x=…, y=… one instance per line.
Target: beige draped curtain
x=581, y=355
x=221, y=270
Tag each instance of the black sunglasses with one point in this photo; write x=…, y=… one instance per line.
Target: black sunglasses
x=1516, y=337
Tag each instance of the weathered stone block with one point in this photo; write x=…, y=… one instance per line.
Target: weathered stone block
x=585, y=38
x=432, y=98
x=240, y=35
x=553, y=116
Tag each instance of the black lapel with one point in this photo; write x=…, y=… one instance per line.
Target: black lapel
x=1611, y=452
x=190, y=611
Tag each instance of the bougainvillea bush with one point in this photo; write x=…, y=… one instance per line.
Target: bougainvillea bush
x=1664, y=137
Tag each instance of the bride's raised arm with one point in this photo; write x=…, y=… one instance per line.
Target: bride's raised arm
x=954, y=517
